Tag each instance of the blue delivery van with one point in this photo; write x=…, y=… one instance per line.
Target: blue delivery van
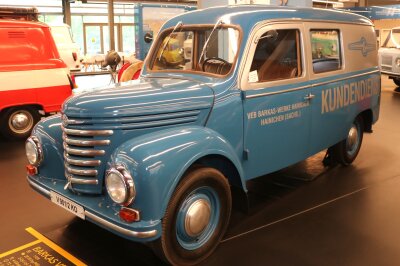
x=258, y=89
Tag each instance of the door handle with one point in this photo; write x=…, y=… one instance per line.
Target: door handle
x=309, y=97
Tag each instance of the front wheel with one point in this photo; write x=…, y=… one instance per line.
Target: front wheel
x=346, y=151
x=196, y=217
x=18, y=122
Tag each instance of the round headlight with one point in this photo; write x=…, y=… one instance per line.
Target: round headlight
x=120, y=186
x=33, y=150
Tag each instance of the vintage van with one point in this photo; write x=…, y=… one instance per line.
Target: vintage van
x=68, y=49
x=156, y=159
x=33, y=78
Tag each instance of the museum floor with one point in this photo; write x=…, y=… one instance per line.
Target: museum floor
x=344, y=216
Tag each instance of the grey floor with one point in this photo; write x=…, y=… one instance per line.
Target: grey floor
x=344, y=216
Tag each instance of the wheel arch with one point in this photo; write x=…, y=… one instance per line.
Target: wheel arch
x=32, y=105
x=367, y=117
x=160, y=160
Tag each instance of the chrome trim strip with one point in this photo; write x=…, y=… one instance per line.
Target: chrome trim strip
x=103, y=222
x=74, y=122
x=119, y=229
x=86, y=172
x=37, y=187
x=277, y=92
x=77, y=132
x=82, y=181
x=84, y=152
x=81, y=163
x=310, y=86
x=86, y=143
x=340, y=79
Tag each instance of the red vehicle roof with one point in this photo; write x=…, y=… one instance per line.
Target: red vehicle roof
x=21, y=23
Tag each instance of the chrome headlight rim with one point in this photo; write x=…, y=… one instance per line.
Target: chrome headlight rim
x=37, y=148
x=127, y=181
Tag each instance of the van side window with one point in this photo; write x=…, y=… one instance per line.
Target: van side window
x=325, y=47
x=277, y=55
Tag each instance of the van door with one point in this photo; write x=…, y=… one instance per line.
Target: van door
x=343, y=72
x=276, y=100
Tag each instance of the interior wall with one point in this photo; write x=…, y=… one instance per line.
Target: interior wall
x=386, y=23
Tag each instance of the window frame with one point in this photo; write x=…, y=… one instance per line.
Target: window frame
x=253, y=42
x=194, y=27
x=340, y=44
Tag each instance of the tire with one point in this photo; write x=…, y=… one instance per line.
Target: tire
x=396, y=81
x=203, y=193
x=18, y=122
x=346, y=151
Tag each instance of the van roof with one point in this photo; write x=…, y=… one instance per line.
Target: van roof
x=247, y=16
x=21, y=23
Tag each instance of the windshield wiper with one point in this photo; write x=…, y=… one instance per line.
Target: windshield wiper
x=217, y=24
x=178, y=25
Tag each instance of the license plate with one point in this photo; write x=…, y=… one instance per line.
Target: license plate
x=67, y=204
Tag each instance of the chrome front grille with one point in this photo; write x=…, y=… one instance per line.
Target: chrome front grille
x=83, y=150
x=387, y=60
x=386, y=68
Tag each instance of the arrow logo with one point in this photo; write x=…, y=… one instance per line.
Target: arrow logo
x=363, y=46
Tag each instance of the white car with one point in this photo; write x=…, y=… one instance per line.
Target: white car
x=389, y=56
x=68, y=49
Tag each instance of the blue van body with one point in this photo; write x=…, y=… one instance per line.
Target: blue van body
x=161, y=125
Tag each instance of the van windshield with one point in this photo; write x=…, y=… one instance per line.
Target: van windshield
x=204, y=50
x=61, y=34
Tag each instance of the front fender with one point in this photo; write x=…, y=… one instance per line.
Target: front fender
x=157, y=161
x=49, y=132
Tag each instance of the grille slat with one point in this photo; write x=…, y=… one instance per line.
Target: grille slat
x=79, y=152
x=87, y=133
x=85, y=143
x=83, y=181
x=81, y=172
x=387, y=60
x=81, y=162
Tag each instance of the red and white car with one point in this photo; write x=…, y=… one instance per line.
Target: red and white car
x=33, y=78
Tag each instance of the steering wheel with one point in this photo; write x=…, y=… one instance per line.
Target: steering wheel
x=213, y=58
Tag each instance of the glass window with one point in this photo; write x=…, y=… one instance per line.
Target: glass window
x=215, y=50
x=325, y=47
x=277, y=56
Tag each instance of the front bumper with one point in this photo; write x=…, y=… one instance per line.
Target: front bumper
x=140, y=231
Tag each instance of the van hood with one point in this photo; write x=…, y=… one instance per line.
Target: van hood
x=146, y=96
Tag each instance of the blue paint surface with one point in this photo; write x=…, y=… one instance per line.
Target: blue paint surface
x=165, y=122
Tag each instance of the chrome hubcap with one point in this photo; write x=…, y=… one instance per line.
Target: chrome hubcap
x=20, y=121
x=197, y=217
x=352, y=138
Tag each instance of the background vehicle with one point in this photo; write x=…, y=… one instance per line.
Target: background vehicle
x=389, y=56
x=67, y=48
x=33, y=78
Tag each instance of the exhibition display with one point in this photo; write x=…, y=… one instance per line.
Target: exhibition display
x=222, y=92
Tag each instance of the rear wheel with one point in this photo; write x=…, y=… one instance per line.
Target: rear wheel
x=18, y=122
x=196, y=218
x=346, y=151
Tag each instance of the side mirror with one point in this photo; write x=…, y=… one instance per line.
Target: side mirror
x=271, y=35
x=148, y=37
